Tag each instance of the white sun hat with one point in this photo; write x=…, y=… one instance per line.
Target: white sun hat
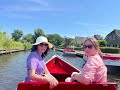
x=42, y=39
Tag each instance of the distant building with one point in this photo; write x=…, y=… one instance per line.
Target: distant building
x=98, y=37
x=113, y=38
x=79, y=40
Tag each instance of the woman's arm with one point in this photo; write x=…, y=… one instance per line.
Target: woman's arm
x=47, y=78
x=80, y=79
x=87, y=74
x=46, y=70
x=36, y=77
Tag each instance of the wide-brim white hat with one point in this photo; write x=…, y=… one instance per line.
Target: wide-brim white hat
x=42, y=39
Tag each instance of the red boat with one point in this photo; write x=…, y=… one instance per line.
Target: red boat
x=61, y=70
x=111, y=56
x=69, y=52
x=112, y=61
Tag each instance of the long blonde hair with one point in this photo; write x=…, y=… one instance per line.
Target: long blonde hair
x=95, y=43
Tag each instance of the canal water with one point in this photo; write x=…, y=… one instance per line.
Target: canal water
x=13, y=68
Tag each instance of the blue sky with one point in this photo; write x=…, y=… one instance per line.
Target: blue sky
x=64, y=17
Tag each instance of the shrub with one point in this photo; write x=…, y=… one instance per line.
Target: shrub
x=110, y=50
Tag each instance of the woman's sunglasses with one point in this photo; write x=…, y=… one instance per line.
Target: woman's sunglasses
x=42, y=44
x=90, y=46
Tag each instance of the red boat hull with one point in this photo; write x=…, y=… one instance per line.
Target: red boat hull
x=61, y=70
x=111, y=57
x=69, y=52
x=66, y=86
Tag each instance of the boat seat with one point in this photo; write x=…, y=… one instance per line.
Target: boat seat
x=61, y=77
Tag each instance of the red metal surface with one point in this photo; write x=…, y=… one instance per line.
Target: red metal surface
x=111, y=57
x=66, y=86
x=61, y=70
x=69, y=50
x=57, y=65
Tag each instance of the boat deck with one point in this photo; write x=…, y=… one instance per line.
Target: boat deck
x=56, y=69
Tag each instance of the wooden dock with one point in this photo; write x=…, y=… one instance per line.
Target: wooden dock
x=81, y=53
x=78, y=53
x=9, y=51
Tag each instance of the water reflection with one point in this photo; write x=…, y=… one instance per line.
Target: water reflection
x=13, y=68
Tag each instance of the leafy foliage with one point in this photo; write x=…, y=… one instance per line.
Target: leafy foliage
x=38, y=32
x=102, y=43
x=17, y=34
x=69, y=42
x=9, y=44
x=28, y=38
x=110, y=50
x=55, y=39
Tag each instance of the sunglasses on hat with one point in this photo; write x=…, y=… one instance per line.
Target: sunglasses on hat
x=90, y=46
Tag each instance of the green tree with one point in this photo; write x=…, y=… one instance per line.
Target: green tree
x=102, y=43
x=55, y=39
x=68, y=42
x=28, y=38
x=17, y=34
x=38, y=32
x=71, y=41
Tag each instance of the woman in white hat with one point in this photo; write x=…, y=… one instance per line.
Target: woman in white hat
x=36, y=68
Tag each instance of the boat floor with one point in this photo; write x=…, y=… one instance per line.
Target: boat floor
x=57, y=69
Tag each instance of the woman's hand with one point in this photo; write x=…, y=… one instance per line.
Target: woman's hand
x=73, y=75
x=52, y=80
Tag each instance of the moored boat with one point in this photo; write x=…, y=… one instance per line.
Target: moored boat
x=111, y=56
x=61, y=70
x=112, y=61
x=113, y=66
x=69, y=52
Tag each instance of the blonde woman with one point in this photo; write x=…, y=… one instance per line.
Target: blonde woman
x=94, y=70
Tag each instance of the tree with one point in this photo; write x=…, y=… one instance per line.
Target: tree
x=38, y=32
x=69, y=42
x=28, y=38
x=102, y=43
x=17, y=34
x=55, y=39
